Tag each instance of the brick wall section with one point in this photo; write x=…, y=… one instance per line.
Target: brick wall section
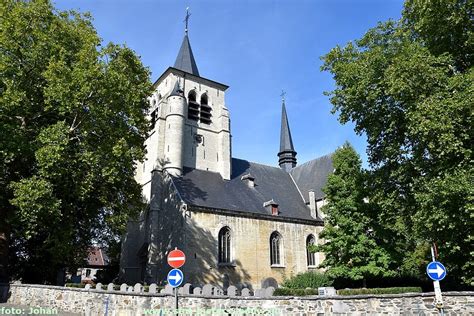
x=93, y=302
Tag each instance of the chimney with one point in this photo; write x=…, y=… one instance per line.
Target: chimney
x=249, y=180
x=312, y=204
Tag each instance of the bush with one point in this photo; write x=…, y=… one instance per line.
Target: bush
x=284, y=291
x=78, y=285
x=386, y=290
x=307, y=280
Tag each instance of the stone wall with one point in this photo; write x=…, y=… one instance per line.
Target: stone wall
x=250, y=250
x=96, y=302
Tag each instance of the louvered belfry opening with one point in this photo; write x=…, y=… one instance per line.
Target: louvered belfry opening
x=205, y=110
x=199, y=111
x=193, y=107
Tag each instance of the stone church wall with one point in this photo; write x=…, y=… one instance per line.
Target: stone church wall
x=99, y=302
x=250, y=249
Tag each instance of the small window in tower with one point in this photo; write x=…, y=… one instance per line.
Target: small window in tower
x=205, y=110
x=153, y=118
x=193, y=106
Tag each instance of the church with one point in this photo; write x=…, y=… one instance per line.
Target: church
x=238, y=222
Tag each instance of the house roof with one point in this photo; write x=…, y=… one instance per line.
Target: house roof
x=208, y=189
x=313, y=175
x=97, y=257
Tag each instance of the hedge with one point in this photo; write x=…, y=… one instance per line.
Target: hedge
x=311, y=279
x=284, y=291
x=386, y=290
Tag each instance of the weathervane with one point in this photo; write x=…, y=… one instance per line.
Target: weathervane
x=186, y=20
x=282, y=95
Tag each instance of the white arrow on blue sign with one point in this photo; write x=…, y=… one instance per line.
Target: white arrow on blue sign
x=175, y=277
x=436, y=271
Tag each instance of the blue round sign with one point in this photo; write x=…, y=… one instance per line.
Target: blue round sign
x=175, y=277
x=436, y=271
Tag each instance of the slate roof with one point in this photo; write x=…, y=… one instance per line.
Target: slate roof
x=208, y=189
x=286, y=143
x=185, y=60
x=313, y=175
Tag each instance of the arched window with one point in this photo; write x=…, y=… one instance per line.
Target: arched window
x=205, y=110
x=311, y=256
x=192, y=96
x=204, y=99
x=224, y=245
x=193, y=106
x=275, y=248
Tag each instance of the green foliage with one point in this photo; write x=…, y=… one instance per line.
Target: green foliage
x=387, y=290
x=307, y=280
x=351, y=249
x=408, y=87
x=75, y=285
x=283, y=291
x=72, y=126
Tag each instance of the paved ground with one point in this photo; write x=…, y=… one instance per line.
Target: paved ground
x=10, y=309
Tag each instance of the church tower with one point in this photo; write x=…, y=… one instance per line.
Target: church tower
x=191, y=123
x=287, y=154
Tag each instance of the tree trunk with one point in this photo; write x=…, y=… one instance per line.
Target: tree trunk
x=4, y=243
x=364, y=283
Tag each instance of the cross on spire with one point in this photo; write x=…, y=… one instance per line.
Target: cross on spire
x=186, y=20
x=282, y=95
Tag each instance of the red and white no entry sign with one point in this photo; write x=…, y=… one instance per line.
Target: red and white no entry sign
x=176, y=258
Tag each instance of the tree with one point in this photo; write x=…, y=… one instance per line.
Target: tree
x=408, y=87
x=351, y=249
x=72, y=125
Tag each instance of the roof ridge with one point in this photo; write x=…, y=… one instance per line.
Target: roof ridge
x=317, y=158
x=258, y=163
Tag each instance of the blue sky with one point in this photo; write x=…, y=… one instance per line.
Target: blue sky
x=257, y=48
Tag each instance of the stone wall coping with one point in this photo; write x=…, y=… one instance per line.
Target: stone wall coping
x=250, y=298
x=75, y=289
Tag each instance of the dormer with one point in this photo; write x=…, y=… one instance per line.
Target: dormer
x=272, y=207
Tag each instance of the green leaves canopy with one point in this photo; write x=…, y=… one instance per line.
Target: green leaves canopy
x=408, y=87
x=350, y=247
x=72, y=124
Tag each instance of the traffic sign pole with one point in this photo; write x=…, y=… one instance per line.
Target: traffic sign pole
x=437, y=287
x=176, y=299
x=176, y=259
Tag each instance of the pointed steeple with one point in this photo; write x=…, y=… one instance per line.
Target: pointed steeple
x=287, y=154
x=185, y=60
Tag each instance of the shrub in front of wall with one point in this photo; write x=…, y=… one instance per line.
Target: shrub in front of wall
x=386, y=290
x=76, y=285
x=284, y=291
x=312, y=279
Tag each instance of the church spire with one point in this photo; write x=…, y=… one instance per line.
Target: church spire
x=185, y=60
x=287, y=154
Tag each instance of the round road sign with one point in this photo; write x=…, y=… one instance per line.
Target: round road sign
x=176, y=258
